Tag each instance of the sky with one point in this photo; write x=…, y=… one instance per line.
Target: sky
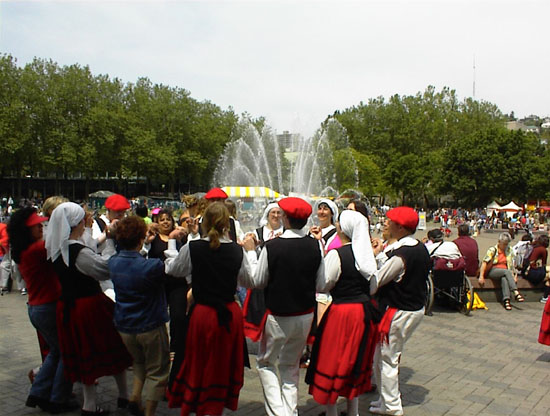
x=296, y=62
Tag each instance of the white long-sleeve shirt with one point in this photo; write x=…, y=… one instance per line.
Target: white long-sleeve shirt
x=178, y=264
x=261, y=269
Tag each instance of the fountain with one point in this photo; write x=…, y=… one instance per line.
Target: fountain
x=306, y=168
x=309, y=167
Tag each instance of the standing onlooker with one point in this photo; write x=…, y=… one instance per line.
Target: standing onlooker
x=50, y=389
x=400, y=287
x=469, y=249
x=141, y=314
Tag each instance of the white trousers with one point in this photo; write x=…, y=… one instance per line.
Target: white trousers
x=9, y=268
x=386, y=360
x=283, y=339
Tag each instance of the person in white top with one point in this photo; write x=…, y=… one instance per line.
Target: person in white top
x=439, y=248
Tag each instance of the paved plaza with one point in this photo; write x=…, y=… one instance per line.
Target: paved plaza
x=488, y=363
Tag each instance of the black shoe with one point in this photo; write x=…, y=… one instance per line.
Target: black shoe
x=56, y=408
x=134, y=409
x=98, y=412
x=33, y=401
x=122, y=403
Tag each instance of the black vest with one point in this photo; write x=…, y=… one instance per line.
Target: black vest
x=214, y=271
x=215, y=275
x=351, y=287
x=409, y=294
x=293, y=265
x=74, y=284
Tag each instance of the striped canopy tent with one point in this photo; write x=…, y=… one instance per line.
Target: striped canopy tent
x=250, y=192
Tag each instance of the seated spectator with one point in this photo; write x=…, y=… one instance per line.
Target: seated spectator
x=469, y=250
x=498, y=264
x=538, y=271
x=439, y=248
x=521, y=251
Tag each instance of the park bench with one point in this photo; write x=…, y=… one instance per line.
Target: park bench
x=491, y=290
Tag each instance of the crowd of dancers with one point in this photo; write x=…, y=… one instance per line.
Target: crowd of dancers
x=106, y=294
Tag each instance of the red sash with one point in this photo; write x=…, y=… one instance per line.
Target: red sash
x=385, y=324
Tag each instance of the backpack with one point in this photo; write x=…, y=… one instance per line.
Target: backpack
x=521, y=257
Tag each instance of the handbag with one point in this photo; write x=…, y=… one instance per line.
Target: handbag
x=451, y=265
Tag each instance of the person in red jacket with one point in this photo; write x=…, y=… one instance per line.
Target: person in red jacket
x=469, y=250
x=51, y=390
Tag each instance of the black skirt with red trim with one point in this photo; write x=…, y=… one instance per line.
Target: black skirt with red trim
x=343, y=354
x=90, y=345
x=212, y=373
x=544, y=334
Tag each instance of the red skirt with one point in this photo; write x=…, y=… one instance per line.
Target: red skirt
x=212, y=373
x=339, y=346
x=90, y=345
x=544, y=334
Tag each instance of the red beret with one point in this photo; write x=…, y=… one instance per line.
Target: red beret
x=216, y=193
x=117, y=202
x=295, y=207
x=404, y=216
x=35, y=219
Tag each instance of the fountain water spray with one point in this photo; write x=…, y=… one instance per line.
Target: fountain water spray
x=307, y=168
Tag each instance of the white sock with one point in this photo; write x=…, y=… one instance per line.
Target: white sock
x=353, y=407
x=89, y=392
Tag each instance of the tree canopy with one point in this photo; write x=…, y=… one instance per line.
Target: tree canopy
x=431, y=144
x=61, y=121
x=66, y=121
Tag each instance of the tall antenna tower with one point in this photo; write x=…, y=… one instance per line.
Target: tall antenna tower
x=474, y=85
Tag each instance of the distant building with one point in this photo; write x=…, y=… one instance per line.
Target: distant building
x=285, y=140
x=519, y=125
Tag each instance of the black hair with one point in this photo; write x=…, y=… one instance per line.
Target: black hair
x=296, y=223
x=463, y=229
x=142, y=211
x=167, y=211
x=360, y=206
x=435, y=235
x=542, y=240
x=19, y=234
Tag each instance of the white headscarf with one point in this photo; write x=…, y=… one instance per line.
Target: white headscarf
x=263, y=221
x=356, y=227
x=331, y=205
x=64, y=217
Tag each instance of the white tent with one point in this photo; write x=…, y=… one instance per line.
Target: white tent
x=510, y=206
x=492, y=207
